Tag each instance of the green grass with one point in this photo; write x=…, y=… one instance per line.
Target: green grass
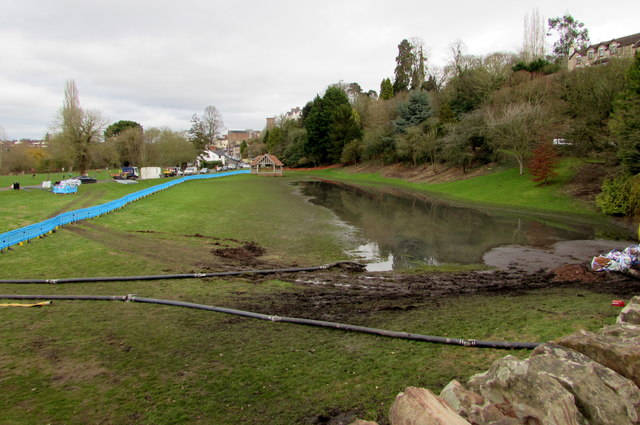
x=161, y=232
x=112, y=362
x=80, y=362
x=19, y=208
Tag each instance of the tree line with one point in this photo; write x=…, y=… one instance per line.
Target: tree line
x=496, y=108
x=500, y=107
x=82, y=140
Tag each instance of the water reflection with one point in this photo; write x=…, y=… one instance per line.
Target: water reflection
x=402, y=230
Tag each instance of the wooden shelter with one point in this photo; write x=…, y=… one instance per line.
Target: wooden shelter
x=266, y=165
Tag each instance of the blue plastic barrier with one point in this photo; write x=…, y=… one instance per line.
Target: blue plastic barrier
x=64, y=189
x=18, y=236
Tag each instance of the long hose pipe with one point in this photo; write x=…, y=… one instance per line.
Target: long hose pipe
x=180, y=276
x=295, y=320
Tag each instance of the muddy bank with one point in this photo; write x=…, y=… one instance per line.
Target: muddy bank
x=337, y=295
x=531, y=259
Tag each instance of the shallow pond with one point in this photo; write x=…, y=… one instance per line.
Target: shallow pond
x=401, y=230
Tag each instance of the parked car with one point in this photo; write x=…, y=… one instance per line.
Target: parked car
x=190, y=171
x=204, y=171
x=84, y=179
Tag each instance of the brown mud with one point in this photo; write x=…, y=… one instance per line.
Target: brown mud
x=345, y=293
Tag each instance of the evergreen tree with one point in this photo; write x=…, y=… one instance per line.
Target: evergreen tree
x=417, y=73
x=330, y=124
x=344, y=128
x=413, y=112
x=572, y=34
x=625, y=120
x=119, y=126
x=386, y=89
x=404, y=66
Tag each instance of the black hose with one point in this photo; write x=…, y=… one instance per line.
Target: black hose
x=299, y=321
x=178, y=276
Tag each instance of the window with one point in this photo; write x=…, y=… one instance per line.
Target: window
x=579, y=60
x=601, y=51
x=590, y=54
x=613, y=48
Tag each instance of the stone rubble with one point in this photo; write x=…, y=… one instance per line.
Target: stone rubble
x=584, y=378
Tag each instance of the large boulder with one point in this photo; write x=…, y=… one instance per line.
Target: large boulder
x=602, y=395
x=555, y=386
x=473, y=407
x=526, y=393
x=420, y=406
x=631, y=313
x=616, y=347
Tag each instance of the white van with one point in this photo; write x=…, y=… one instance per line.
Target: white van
x=190, y=171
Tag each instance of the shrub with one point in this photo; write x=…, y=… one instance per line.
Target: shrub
x=614, y=197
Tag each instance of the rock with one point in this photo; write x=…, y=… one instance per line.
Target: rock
x=460, y=399
x=603, y=396
x=616, y=347
x=361, y=422
x=526, y=393
x=473, y=407
x=631, y=313
x=420, y=406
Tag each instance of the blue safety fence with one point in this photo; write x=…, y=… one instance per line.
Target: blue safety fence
x=18, y=236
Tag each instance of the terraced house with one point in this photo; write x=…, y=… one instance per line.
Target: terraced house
x=602, y=52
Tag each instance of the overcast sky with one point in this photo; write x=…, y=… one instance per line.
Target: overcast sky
x=158, y=62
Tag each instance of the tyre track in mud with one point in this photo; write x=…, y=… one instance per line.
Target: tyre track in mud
x=339, y=296
x=174, y=253
x=80, y=200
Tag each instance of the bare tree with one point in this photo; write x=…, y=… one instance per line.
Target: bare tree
x=515, y=129
x=204, y=131
x=80, y=128
x=418, y=69
x=533, y=42
x=212, y=121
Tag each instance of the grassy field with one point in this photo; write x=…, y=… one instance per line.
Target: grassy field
x=79, y=362
x=38, y=178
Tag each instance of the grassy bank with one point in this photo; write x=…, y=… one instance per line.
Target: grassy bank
x=79, y=362
x=502, y=187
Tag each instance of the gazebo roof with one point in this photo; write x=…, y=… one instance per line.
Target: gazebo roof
x=266, y=158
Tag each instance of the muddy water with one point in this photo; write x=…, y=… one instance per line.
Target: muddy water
x=399, y=230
